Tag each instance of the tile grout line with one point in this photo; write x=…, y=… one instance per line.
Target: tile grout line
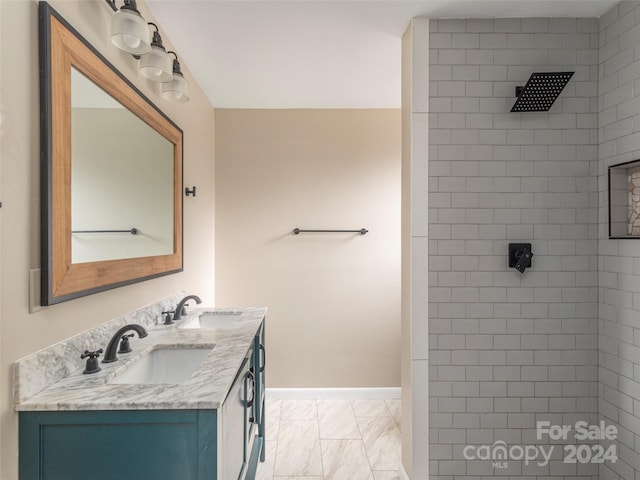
x=315, y=402
x=366, y=452
x=275, y=453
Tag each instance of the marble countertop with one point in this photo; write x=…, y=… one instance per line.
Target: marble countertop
x=205, y=389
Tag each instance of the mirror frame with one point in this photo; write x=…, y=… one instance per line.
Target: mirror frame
x=62, y=47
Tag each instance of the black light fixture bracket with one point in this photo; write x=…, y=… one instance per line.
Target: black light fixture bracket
x=128, y=5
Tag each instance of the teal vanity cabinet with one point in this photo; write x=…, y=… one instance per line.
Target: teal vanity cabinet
x=208, y=444
x=123, y=445
x=259, y=361
x=238, y=429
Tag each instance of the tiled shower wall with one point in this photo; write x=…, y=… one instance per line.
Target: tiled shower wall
x=619, y=260
x=507, y=350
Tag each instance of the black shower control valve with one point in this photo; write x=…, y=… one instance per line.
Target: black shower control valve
x=520, y=256
x=92, y=361
x=168, y=317
x=125, y=346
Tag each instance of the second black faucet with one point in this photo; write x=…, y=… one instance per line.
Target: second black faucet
x=180, y=310
x=110, y=353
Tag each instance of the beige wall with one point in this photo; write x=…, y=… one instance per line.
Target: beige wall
x=22, y=333
x=333, y=299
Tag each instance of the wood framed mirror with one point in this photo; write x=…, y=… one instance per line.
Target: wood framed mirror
x=111, y=173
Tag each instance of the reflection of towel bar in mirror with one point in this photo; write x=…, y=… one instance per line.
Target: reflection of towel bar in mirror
x=132, y=231
x=361, y=231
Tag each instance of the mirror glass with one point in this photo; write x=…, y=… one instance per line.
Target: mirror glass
x=111, y=173
x=121, y=180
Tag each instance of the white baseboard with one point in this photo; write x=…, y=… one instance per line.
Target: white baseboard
x=403, y=474
x=382, y=393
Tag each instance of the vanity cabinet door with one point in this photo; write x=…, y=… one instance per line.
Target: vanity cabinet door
x=236, y=415
x=123, y=445
x=258, y=368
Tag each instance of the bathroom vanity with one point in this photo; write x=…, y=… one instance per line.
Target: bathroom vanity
x=121, y=423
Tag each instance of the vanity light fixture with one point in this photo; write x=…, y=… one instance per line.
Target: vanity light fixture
x=177, y=89
x=130, y=33
x=157, y=65
x=129, y=30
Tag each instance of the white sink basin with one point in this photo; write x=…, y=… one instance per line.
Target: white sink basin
x=219, y=319
x=164, y=365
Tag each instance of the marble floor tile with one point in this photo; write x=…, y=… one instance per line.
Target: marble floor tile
x=345, y=460
x=381, y=438
x=298, y=452
x=297, y=478
x=265, y=469
x=370, y=408
x=386, y=475
x=336, y=420
x=273, y=406
x=335, y=439
x=272, y=418
x=394, y=407
x=298, y=410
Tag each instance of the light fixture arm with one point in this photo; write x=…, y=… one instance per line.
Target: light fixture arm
x=156, y=40
x=176, y=63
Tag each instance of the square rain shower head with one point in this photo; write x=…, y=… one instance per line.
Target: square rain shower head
x=541, y=91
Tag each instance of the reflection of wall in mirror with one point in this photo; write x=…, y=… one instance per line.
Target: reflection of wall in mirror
x=122, y=177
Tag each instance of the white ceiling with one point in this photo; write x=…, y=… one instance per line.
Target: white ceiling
x=317, y=54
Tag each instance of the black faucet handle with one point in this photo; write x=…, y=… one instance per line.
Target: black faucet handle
x=92, y=365
x=89, y=354
x=125, y=346
x=168, y=317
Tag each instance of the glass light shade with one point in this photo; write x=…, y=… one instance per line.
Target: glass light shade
x=157, y=65
x=129, y=32
x=176, y=90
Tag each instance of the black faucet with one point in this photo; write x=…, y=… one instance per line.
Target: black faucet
x=180, y=310
x=110, y=355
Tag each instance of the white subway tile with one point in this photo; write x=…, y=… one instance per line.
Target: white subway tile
x=525, y=177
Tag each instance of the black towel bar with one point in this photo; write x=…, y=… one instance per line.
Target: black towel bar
x=361, y=231
x=132, y=231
